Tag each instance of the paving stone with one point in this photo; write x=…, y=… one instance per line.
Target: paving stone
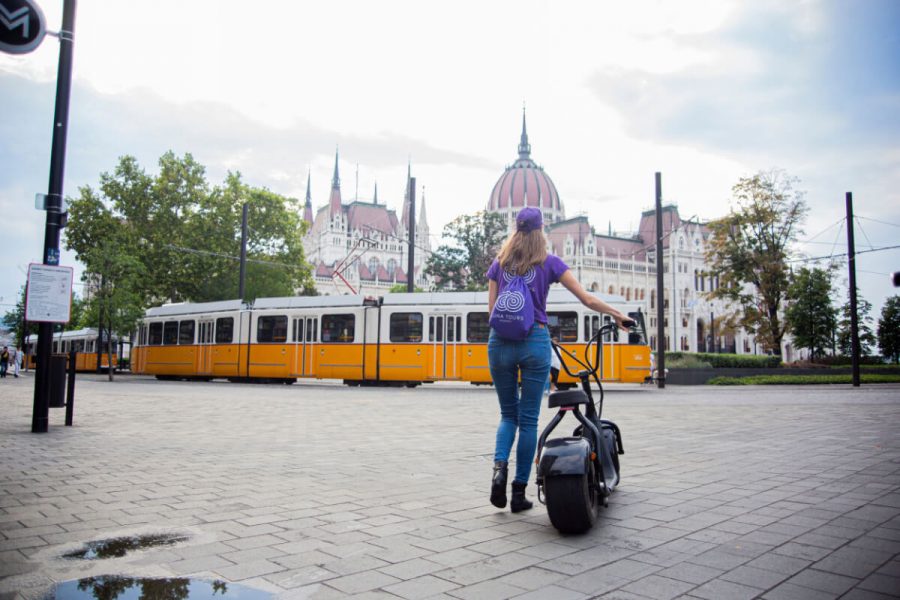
x=660, y=588
x=720, y=589
x=268, y=501
x=823, y=582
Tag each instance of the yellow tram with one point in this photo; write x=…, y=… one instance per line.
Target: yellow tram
x=398, y=338
x=83, y=341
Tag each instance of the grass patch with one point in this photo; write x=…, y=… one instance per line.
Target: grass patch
x=803, y=379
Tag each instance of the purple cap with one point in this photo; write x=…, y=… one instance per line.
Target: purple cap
x=529, y=219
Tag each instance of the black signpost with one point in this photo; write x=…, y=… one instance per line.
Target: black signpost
x=22, y=28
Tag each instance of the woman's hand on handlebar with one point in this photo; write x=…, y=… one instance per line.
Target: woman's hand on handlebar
x=624, y=321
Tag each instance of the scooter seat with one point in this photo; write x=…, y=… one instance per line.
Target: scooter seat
x=567, y=398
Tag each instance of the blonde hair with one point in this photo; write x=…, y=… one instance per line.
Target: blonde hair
x=522, y=250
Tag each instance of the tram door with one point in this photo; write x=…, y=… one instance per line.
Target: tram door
x=444, y=336
x=305, y=332
x=205, y=347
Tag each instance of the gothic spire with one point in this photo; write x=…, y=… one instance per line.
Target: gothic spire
x=307, y=207
x=524, y=146
x=335, y=204
x=336, y=179
x=375, y=199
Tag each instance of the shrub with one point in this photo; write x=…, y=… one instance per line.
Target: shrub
x=686, y=361
x=718, y=361
x=802, y=379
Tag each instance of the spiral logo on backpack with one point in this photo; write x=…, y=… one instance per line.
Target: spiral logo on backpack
x=510, y=301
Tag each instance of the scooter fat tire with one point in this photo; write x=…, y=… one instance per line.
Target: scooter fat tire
x=570, y=505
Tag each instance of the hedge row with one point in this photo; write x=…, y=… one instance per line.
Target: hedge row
x=846, y=361
x=802, y=379
x=747, y=361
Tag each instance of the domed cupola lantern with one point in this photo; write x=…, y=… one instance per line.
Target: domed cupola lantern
x=524, y=183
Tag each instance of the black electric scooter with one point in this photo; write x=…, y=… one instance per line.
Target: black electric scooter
x=576, y=474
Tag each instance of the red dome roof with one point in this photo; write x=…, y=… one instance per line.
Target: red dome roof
x=524, y=183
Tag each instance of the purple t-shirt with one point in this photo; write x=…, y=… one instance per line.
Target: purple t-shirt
x=538, y=280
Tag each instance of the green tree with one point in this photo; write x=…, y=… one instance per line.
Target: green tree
x=749, y=248
x=809, y=313
x=186, y=234
x=865, y=330
x=464, y=264
x=889, y=329
x=116, y=303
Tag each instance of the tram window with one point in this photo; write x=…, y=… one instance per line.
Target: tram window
x=591, y=325
x=186, y=333
x=406, y=327
x=297, y=335
x=615, y=332
x=563, y=326
x=311, y=330
x=78, y=345
x=637, y=335
x=89, y=347
x=271, y=329
x=458, y=329
x=435, y=329
x=338, y=328
x=224, y=330
x=478, y=327
x=170, y=333
x=451, y=329
x=156, y=336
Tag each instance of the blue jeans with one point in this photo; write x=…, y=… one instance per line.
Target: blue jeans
x=507, y=359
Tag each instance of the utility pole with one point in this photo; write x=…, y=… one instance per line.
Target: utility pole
x=410, y=269
x=851, y=265
x=243, y=268
x=40, y=418
x=660, y=313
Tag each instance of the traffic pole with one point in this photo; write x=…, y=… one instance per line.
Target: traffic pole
x=54, y=206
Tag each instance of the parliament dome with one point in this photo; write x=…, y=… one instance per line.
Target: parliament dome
x=525, y=183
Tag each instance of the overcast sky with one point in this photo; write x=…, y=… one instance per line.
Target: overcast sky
x=704, y=91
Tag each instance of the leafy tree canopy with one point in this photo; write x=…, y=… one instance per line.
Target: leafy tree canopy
x=864, y=326
x=889, y=329
x=463, y=265
x=749, y=249
x=186, y=234
x=810, y=314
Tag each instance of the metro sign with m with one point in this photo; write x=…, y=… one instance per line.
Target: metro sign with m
x=22, y=26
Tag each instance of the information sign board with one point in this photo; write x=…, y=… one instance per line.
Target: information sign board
x=48, y=296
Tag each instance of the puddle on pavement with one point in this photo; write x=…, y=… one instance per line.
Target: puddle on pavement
x=118, y=547
x=111, y=587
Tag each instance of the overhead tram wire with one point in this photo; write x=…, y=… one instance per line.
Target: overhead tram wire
x=862, y=231
x=844, y=254
x=877, y=221
x=238, y=258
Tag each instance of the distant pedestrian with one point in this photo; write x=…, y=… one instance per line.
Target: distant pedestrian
x=17, y=361
x=4, y=362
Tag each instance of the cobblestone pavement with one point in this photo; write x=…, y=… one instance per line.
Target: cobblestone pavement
x=320, y=491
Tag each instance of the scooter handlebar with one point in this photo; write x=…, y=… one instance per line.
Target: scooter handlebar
x=595, y=339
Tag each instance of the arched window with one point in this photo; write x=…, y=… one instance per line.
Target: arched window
x=612, y=290
x=652, y=299
x=595, y=287
x=628, y=293
x=373, y=265
x=391, y=266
